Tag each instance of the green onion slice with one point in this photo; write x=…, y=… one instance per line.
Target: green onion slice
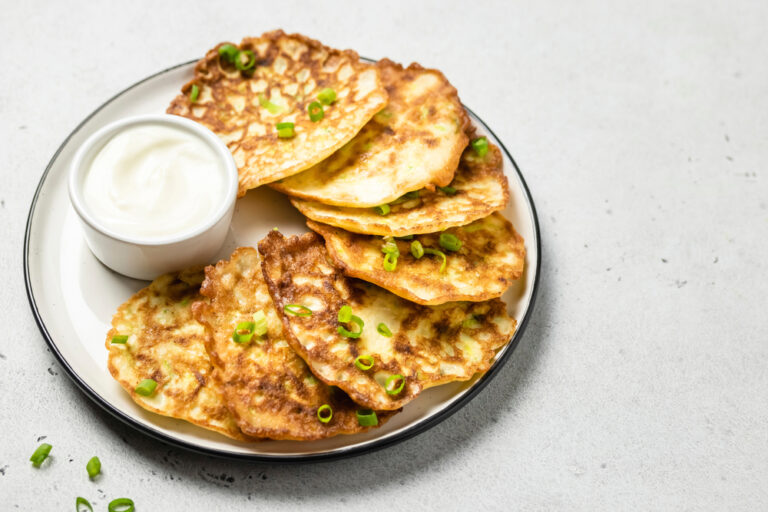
x=327, y=96
x=449, y=242
x=324, y=413
x=345, y=314
x=146, y=387
x=243, y=332
x=364, y=362
x=471, y=322
x=121, y=505
x=120, y=339
x=271, y=107
x=391, y=380
x=285, y=130
x=315, y=112
x=382, y=209
x=390, y=246
x=229, y=52
x=384, y=330
x=81, y=502
x=449, y=191
x=437, y=253
x=259, y=323
x=366, y=418
x=417, y=249
x=40, y=454
x=480, y=145
x=194, y=93
x=349, y=334
x=390, y=262
x=93, y=467
x=297, y=310
x=248, y=64
x=406, y=237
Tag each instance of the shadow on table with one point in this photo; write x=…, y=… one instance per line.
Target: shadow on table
x=392, y=466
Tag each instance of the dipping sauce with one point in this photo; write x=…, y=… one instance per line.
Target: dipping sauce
x=154, y=182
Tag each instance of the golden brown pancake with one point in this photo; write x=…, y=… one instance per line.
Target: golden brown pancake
x=481, y=189
x=268, y=388
x=289, y=72
x=166, y=344
x=426, y=345
x=415, y=142
x=490, y=259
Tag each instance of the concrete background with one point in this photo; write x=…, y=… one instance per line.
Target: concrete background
x=641, y=383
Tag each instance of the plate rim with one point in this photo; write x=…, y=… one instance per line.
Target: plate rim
x=337, y=454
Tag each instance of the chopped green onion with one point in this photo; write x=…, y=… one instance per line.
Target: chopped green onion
x=315, y=112
x=345, y=314
x=297, y=310
x=449, y=242
x=413, y=194
x=480, y=145
x=324, y=413
x=248, y=64
x=437, y=253
x=390, y=262
x=285, y=130
x=364, y=362
x=271, y=107
x=327, y=96
x=121, y=505
x=406, y=237
x=384, y=330
x=417, y=249
x=449, y=191
x=349, y=334
x=146, y=387
x=382, y=209
x=259, y=323
x=93, y=467
x=120, y=339
x=229, y=52
x=243, y=332
x=393, y=379
x=81, y=502
x=366, y=418
x=470, y=322
x=194, y=93
x=40, y=454
x=390, y=246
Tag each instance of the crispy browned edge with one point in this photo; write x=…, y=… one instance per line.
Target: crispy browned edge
x=387, y=284
x=113, y=371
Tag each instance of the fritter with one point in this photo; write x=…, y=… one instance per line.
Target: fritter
x=268, y=388
x=415, y=142
x=489, y=257
x=287, y=74
x=379, y=348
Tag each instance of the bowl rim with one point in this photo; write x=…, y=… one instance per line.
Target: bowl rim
x=101, y=137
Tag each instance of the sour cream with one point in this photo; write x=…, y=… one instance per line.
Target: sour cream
x=153, y=182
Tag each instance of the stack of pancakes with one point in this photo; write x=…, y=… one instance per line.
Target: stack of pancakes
x=407, y=240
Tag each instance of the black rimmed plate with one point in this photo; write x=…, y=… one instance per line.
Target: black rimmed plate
x=73, y=296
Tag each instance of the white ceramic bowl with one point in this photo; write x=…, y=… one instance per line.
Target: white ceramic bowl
x=147, y=259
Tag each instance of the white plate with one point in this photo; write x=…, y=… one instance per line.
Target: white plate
x=73, y=296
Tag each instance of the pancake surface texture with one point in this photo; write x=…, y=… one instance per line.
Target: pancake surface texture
x=166, y=344
x=481, y=188
x=289, y=72
x=415, y=142
x=427, y=346
x=268, y=387
x=490, y=259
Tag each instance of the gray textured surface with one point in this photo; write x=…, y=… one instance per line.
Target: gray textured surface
x=642, y=381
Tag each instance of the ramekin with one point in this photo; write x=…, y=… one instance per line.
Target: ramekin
x=148, y=258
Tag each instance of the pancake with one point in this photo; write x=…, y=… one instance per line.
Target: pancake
x=289, y=72
x=166, y=344
x=481, y=189
x=490, y=259
x=268, y=388
x=415, y=142
x=427, y=346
